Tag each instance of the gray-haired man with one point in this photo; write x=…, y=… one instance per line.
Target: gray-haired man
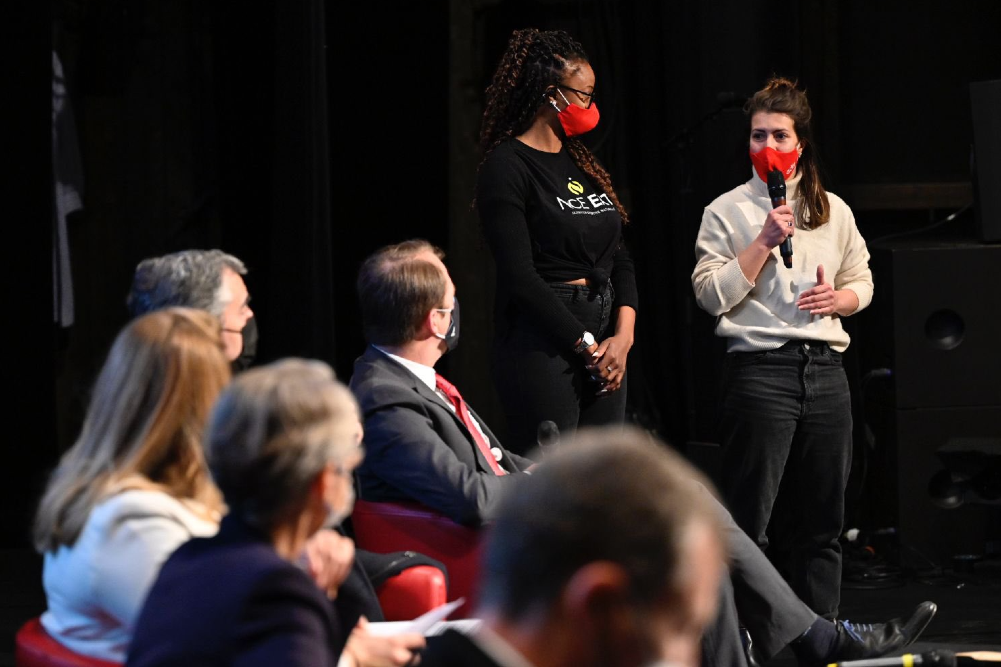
x=210, y=280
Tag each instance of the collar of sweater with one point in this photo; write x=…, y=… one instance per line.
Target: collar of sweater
x=760, y=189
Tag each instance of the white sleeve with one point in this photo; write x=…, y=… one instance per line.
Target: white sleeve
x=718, y=280
x=854, y=273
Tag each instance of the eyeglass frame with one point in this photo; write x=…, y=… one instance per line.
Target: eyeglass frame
x=590, y=96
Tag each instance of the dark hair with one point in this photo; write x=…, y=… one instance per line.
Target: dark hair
x=782, y=96
x=534, y=62
x=396, y=290
x=614, y=496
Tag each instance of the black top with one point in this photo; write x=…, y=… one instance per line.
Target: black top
x=454, y=649
x=546, y=222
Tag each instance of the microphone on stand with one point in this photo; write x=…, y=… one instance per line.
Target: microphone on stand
x=548, y=436
x=777, y=191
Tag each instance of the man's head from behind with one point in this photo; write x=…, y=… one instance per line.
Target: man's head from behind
x=611, y=544
x=405, y=292
x=205, y=279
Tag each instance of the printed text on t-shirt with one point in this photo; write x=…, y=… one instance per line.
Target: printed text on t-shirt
x=581, y=203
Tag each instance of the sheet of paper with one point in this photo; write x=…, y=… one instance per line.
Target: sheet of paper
x=429, y=623
x=424, y=622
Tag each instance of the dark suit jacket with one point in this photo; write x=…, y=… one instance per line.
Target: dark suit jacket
x=454, y=649
x=232, y=600
x=417, y=448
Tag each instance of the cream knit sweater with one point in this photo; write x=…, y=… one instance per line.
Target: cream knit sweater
x=763, y=315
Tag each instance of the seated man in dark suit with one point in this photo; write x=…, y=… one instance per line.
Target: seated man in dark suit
x=622, y=569
x=424, y=445
x=423, y=441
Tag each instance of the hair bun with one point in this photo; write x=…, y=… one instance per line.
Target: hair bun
x=780, y=82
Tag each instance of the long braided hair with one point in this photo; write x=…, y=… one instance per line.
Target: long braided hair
x=782, y=96
x=534, y=62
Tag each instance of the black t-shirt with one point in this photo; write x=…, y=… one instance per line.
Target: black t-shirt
x=546, y=222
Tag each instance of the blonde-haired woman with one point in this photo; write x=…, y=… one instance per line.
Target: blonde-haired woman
x=135, y=484
x=135, y=487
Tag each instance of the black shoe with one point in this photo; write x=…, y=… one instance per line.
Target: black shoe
x=871, y=640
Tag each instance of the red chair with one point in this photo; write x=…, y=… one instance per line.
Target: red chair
x=402, y=598
x=387, y=527
x=412, y=592
x=36, y=648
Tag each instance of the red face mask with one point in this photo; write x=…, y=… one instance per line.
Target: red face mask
x=577, y=120
x=768, y=158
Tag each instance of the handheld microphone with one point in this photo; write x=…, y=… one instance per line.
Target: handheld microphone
x=548, y=435
x=936, y=657
x=777, y=191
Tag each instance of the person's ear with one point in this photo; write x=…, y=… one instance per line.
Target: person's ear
x=549, y=98
x=594, y=588
x=429, y=324
x=597, y=602
x=320, y=486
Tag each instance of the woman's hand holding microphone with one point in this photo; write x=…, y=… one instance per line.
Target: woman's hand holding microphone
x=779, y=225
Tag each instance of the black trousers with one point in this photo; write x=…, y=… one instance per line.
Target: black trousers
x=787, y=423
x=538, y=381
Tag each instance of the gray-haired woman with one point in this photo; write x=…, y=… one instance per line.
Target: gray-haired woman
x=281, y=444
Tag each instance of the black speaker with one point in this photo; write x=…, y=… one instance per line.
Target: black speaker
x=905, y=480
x=985, y=103
x=935, y=322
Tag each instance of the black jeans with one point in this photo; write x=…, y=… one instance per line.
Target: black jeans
x=786, y=420
x=538, y=381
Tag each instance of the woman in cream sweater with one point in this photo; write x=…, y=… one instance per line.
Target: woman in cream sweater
x=786, y=410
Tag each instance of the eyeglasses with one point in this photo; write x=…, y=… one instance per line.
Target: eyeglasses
x=585, y=97
x=455, y=302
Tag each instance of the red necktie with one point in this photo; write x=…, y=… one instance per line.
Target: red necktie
x=460, y=409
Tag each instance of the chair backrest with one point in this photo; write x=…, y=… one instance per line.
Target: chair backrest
x=37, y=648
x=387, y=527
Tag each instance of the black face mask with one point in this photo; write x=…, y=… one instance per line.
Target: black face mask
x=249, y=351
x=451, y=336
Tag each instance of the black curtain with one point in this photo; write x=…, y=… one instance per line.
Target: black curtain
x=26, y=269
x=200, y=124
x=270, y=85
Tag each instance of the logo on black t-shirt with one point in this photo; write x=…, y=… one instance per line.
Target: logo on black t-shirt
x=592, y=204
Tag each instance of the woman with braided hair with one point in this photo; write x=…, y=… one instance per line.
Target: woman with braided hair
x=786, y=412
x=566, y=289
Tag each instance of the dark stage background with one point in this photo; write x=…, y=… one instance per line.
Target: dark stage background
x=300, y=135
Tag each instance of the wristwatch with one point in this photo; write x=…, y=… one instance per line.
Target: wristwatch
x=586, y=341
